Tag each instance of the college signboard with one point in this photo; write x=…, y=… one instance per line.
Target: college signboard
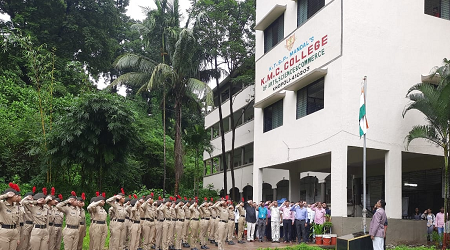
x=311, y=46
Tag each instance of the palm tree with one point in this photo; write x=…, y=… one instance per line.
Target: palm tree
x=433, y=101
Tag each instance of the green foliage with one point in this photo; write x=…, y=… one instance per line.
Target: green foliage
x=304, y=246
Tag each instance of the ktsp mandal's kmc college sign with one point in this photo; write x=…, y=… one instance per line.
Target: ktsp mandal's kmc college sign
x=310, y=47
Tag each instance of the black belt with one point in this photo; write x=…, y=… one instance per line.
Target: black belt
x=213, y=217
x=137, y=221
x=231, y=220
x=147, y=219
x=160, y=220
x=21, y=224
x=194, y=219
x=82, y=223
x=29, y=222
x=242, y=216
x=262, y=218
x=173, y=219
x=72, y=227
x=206, y=218
x=300, y=220
x=127, y=218
x=57, y=225
x=182, y=220
x=9, y=226
x=40, y=226
x=99, y=221
x=120, y=220
x=223, y=221
x=50, y=224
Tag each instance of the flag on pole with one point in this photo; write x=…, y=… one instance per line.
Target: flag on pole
x=363, y=124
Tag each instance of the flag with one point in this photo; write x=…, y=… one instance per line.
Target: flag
x=363, y=125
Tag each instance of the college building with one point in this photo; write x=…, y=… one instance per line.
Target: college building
x=311, y=58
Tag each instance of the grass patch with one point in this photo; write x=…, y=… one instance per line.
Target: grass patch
x=307, y=247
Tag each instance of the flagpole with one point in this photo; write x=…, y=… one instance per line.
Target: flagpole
x=364, y=170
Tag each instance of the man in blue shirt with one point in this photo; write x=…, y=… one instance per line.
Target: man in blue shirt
x=262, y=221
x=301, y=215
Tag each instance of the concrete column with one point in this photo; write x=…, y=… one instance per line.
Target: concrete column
x=339, y=181
x=242, y=156
x=274, y=190
x=294, y=185
x=257, y=183
x=323, y=187
x=393, y=183
x=243, y=116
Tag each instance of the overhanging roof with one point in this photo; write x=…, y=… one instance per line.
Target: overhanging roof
x=273, y=14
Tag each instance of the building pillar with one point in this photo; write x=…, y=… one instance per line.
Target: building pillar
x=242, y=156
x=323, y=188
x=393, y=183
x=339, y=181
x=257, y=183
x=294, y=185
x=274, y=190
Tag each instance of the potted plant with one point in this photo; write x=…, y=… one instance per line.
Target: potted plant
x=318, y=231
x=327, y=227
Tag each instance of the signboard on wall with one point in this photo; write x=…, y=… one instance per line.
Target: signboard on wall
x=311, y=46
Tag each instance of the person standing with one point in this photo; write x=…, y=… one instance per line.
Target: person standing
x=185, y=234
x=230, y=226
x=310, y=221
x=172, y=219
x=164, y=207
x=204, y=223
x=287, y=216
x=98, y=230
x=135, y=218
x=417, y=215
x=439, y=223
x=301, y=215
x=194, y=225
x=39, y=235
x=52, y=211
x=269, y=222
x=55, y=243
x=148, y=221
x=430, y=218
x=9, y=218
x=159, y=223
x=70, y=233
x=117, y=227
x=222, y=213
x=180, y=217
x=275, y=217
x=82, y=228
x=376, y=230
x=262, y=221
x=319, y=217
x=241, y=222
x=250, y=218
x=212, y=223
x=27, y=225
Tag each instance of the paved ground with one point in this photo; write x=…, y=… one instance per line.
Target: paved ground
x=254, y=245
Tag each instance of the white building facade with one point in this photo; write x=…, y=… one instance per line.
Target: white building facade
x=311, y=58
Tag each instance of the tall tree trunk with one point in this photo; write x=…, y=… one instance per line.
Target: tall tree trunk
x=444, y=245
x=222, y=132
x=178, y=147
x=233, y=136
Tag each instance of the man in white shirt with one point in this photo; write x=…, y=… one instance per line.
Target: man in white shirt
x=310, y=220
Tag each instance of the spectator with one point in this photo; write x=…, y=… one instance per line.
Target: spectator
x=327, y=210
x=377, y=226
x=268, y=226
x=319, y=217
x=262, y=220
x=275, y=217
x=236, y=221
x=250, y=218
x=301, y=215
x=439, y=223
x=287, y=220
x=385, y=225
x=311, y=215
x=293, y=229
x=417, y=215
x=430, y=218
x=436, y=12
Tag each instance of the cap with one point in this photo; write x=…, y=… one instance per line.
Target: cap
x=38, y=196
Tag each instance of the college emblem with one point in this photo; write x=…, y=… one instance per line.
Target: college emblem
x=290, y=42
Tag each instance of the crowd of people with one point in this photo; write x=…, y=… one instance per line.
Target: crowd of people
x=435, y=223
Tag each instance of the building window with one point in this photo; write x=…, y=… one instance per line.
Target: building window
x=310, y=98
x=273, y=116
x=307, y=8
x=248, y=154
x=438, y=8
x=274, y=33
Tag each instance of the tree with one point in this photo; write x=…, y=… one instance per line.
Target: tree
x=433, y=101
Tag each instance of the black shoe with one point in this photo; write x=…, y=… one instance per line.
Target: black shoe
x=206, y=247
x=231, y=242
x=217, y=244
x=186, y=245
x=260, y=240
x=153, y=247
x=241, y=242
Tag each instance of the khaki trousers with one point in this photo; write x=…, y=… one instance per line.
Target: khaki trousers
x=158, y=234
x=126, y=234
x=25, y=235
x=178, y=232
x=9, y=238
x=170, y=233
x=222, y=233
x=97, y=236
x=216, y=228
x=230, y=232
x=145, y=234
x=211, y=228
x=70, y=237
x=165, y=232
x=204, y=225
x=152, y=239
x=82, y=231
x=39, y=239
x=135, y=233
x=194, y=225
x=55, y=238
x=241, y=224
x=185, y=234
x=117, y=235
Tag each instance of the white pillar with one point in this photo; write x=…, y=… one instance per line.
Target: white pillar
x=257, y=184
x=393, y=183
x=294, y=185
x=322, y=191
x=274, y=190
x=339, y=181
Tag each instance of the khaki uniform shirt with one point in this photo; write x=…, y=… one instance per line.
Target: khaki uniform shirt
x=9, y=214
x=173, y=214
x=149, y=210
x=180, y=212
x=119, y=210
x=112, y=215
x=72, y=213
x=40, y=214
x=241, y=210
x=223, y=213
x=58, y=215
x=230, y=213
x=160, y=213
x=82, y=216
x=213, y=212
x=187, y=211
x=205, y=212
x=195, y=213
x=98, y=213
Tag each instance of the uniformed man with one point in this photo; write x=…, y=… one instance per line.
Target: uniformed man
x=51, y=202
x=25, y=233
x=230, y=223
x=70, y=233
x=222, y=214
x=148, y=215
x=159, y=223
x=180, y=217
x=194, y=224
x=98, y=230
x=56, y=237
x=212, y=223
x=135, y=218
x=39, y=235
x=165, y=208
x=204, y=223
x=127, y=224
x=118, y=229
x=241, y=222
x=9, y=218
x=82, y=228
x=173, y=218
x=185, y=231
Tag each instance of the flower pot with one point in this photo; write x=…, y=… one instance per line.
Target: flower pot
x=319, y=239
x=326, y=240
x=333, y=239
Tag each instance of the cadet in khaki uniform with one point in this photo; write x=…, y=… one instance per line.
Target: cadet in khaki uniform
x=173, y=218
x=82, y=228
x=180, y=217
x=230, y=232
x=148, y=216
x=51, y=202
x=127, y=224
x=159, y=223
x=70, y=233
x=98, y=230
x=9, y=218
x=194, y=224
x=185, y=231
x=241, y=222
x=204, y=223
x=222, y=213
x=212, y=223
x=118, y=230
x=25, y=233
x=135, y=218
x=39, y=235
x=164, y=207
x=56, y=237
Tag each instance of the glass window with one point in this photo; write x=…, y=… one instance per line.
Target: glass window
x=208, y=167
x=273, y=116
x=307, y=8
x=438, y=8
x=274, y=33
x=248, y=154
x=216, y=163
x=310, y=98
x=237, y=157
x=249, y=113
